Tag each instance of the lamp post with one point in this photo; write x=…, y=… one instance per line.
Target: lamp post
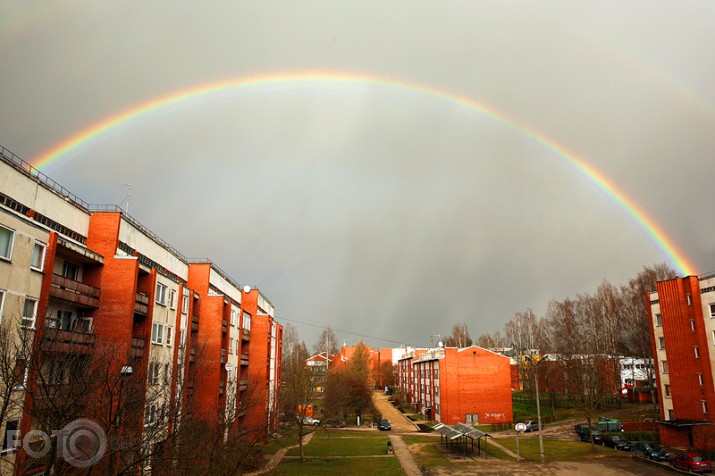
x=538, y=406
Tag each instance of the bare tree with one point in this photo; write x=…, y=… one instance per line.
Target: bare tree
x=460, y=336
x=327, y=343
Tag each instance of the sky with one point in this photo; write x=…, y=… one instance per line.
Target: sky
x=387, y=169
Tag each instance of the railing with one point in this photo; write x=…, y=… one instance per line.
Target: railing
x=57, y=340
x=223, y=356
x=136, y=348
x=220, y=388
x=20, y=164
x=245, y=334
x=224, y=326
x=243, y=385
x=74, y=291
x=244, y=359
x=192, y=354
x=141, y=306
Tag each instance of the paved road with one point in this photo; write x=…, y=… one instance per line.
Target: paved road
x=399, y=422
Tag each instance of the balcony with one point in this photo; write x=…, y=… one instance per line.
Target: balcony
x=220, y=388
x=56, y=340
x=243, y=385
x=74, y=291
x=141, y=306
x=244, y=359
x=189, y=388
x=192, y=355
x=223, y=356
x=245, y=335
x=224, y=326
x=194, y=323
x=136, y=348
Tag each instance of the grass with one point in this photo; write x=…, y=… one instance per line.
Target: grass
x=287, y=437
x=311, y=467
x=560, y=450
x=345, y=444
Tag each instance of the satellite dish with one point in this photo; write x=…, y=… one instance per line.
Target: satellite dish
x=247, y=289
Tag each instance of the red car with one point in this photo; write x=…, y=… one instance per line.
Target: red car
x=694, y=462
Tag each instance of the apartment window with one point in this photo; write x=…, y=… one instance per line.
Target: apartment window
x=705, y=406
x=711, y=307
x=696, y=350
x=157, y=333
x=169, y=335
x=172, y=299
x=29, y=313
x=11, y=437
x=38, y=256
x=151, y=412
x=154, y=373
x=161, y=293
x=182, y=337
x=246, y=321
x=661, y=342
x=57, y=374
x=701, y=381
x=70, y=271
x=664, y=366
x=167, y=373
x=667, y=390
x=659, y=320
x=233, y=317
x=6, y=239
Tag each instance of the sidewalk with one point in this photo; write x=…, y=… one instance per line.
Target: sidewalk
x=276, y=458
x=402, y=452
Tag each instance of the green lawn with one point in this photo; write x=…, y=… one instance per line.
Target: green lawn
x=560, y=450
x=344, y=444
x=342, y=466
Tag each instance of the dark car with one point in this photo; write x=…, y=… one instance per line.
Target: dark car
x=585, y=435
x=693, y=462
x=650, y=451
x=384, y=425
x=616, y=442
x=335, y=423
x=581, y=427
x=533, y=425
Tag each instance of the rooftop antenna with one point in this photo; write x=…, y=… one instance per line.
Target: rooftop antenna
x=129, y=188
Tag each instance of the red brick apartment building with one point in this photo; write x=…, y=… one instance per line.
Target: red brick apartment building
x=450, y=385
x=179, y=336
x=682, y=321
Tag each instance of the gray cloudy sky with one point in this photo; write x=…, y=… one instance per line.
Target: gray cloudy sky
x=382, y=211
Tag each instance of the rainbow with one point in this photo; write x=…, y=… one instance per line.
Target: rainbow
x=657, y=235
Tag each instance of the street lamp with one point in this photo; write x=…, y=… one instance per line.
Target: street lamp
x=538, y=406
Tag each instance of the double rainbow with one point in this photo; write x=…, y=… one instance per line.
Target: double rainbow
x=654, y=231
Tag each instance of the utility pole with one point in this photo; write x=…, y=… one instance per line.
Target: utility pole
x=129, y=188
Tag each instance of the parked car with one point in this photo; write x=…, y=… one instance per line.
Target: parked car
x=616, y=442
x=533, y=425
x=335, y=423
x=309, y=421
x=692, y=462
x=650, y=451
x=384, y=425
x=587, y=434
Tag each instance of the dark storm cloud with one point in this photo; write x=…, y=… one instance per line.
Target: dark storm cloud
x=380, y=212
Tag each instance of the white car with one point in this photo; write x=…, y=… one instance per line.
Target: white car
x=309, y=421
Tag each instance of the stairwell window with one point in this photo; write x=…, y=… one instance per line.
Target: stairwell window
x=659, y=320
x=661, y=343
x=2, y=302
x=246, y=321
x=664, y=366
x=711, y=307
x=701, y=381
x=169, y=335
x=172, y=299
x=7, y=237
x=705, y=407
x=667, y=390
x=696, y=350
x=38, y=256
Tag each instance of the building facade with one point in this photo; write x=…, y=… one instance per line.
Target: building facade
x=88, y=291
x=682, y=321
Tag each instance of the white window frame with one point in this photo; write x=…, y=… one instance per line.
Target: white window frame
x=154, y=373
x=704, y=403
x=172, y=298
x=160, y=297
x=157, y=333
x=43, y=250
x=664, y=366
x=246, y=321
x=701, y=379
x=29, y=319
x=151, y=411
x=659, y=320
x=696, y=350
x=2, y=302
x=169, y=335
x=10, y=244
x=185, y=303
x=711, y=308
x=661, y=343
x=233, y=317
